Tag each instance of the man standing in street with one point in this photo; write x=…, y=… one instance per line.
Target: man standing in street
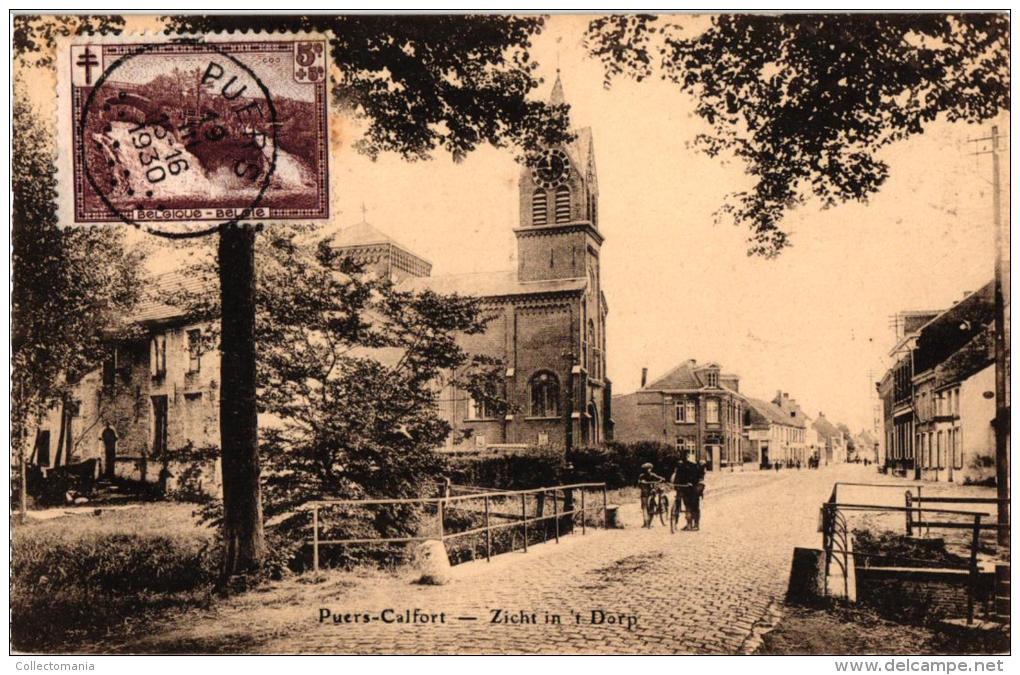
x=689, y=479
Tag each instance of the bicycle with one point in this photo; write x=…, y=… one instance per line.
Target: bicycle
x=656, y=504
x=674, y=516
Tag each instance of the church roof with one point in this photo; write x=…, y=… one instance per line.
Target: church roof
x=364, y=234
x=491, y=284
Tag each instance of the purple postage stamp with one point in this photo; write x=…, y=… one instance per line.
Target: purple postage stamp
x=181, y=134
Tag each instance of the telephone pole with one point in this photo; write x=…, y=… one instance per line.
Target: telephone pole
x=1001, y=401
x=1001, y=424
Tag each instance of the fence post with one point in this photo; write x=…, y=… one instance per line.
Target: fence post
x=556, y=513
x=583, y=532
x=972, y=586
x=315, y=539
x=920, y=513
x=524, y=518
x=910, y=517
x=605, y=507
x=441, y=512
x=488, y=532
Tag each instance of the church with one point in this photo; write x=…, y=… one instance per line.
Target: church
x=548, y=331
x=549, y=325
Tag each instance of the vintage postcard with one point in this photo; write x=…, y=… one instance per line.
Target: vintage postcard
x=511, y=333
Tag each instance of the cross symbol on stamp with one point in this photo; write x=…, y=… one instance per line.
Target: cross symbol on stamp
x=88, y=61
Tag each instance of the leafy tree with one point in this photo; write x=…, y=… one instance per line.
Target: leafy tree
x=421, y=83
x=69, y=286
x=807, y=101
x=34, y=36
x=350, y=372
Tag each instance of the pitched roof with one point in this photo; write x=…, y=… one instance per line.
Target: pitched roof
x=156, y=306
x=824, y=427
x=491, y=284
x=772, y=413
x=681, y=377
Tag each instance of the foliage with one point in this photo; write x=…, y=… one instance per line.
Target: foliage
x=78, y=579
x=350, y=369
x=34, y=37
x=616, y=464
x=69, y=285
x=807, y=101
x=426, y=81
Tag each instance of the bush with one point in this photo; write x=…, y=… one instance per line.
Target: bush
x=617, y=464
x=81, y=578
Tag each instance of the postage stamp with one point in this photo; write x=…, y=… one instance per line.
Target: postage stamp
x=181, y=134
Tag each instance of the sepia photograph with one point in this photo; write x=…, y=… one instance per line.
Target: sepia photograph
x=510, y=332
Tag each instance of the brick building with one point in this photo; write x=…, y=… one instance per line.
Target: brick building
x=694, y=406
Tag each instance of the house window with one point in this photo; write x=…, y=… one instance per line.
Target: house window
x=562, y=204
x=713, y=378
x=539, y=208
x=957, y=449
x=110, y=368
x=545, y=394
x=712, y=411
x=684, y=411
x=194, y=350
x=684, y=445
x=157, y=355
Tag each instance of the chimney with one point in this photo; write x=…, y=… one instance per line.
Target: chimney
x=644, y=377
x=779, y=396
x=786, y=395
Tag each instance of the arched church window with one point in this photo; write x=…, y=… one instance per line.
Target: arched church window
x=562, y=204
x=545, y=394
x=539, y=208
x=593, y=366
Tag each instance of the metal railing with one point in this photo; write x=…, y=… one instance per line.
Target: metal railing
x=919, y=523
x=470, y=503
x=836, y=540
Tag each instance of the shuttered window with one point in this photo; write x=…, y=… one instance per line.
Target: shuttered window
x=562, y=204
x=539, y=208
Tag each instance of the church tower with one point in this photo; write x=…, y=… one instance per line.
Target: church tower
x=559, y=241
x=558, y=237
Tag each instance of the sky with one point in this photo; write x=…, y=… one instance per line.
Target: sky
x=815, y=322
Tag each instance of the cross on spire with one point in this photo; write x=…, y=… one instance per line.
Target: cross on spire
x=364, y=212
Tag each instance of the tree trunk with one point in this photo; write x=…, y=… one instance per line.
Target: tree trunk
x=244, y=539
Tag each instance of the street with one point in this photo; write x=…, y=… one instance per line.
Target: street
x=630, y=591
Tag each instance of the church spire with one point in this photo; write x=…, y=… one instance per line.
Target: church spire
x=556, y=97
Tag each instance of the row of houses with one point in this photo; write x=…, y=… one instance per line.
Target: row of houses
x=938, y=397
x=700, y=408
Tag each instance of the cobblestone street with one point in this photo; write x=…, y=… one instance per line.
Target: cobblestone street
x=708, y=592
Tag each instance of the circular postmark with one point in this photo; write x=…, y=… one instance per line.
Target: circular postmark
x=178, y=138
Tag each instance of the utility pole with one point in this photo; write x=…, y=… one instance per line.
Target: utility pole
x=1001, y=403
x=1001, y=424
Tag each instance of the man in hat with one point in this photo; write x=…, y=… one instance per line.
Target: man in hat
x=646, y=483
x=689, y=479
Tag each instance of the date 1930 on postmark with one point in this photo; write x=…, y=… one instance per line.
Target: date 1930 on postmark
x=181, y=135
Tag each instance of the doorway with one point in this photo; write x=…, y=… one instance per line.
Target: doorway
x=109, y=451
